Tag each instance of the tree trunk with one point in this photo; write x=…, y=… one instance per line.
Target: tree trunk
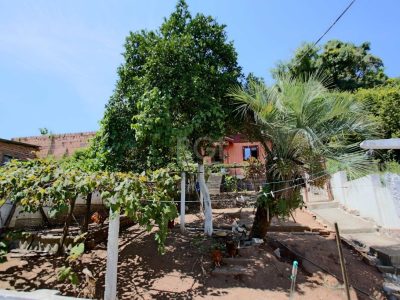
x=261, y=223
x=87, y=216
x=66, y=227
x=208, y=225
x=44, y=216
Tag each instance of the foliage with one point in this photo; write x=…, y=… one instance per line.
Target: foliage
x=348, y=66
x=146, y=198
x=384, y=103
x=391, y=167
x=300, y=125
x=171, y=91
x=231, y=183
x=216, y=168
x=84, y=159
x=279, y=206
x=44, y=131
x=218, y=245
x=254, y=171
x=66, y=273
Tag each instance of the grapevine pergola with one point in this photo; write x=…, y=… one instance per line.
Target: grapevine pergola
x=145, y=198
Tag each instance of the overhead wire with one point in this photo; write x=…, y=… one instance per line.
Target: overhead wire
x=329, y=28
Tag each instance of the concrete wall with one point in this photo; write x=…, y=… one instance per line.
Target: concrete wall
x=23, y=219
x=374, y=196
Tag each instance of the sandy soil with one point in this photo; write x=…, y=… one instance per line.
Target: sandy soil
x=185, y=271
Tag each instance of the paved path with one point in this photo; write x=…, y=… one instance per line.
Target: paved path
x=359, y=231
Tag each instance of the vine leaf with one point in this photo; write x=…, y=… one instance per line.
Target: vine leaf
x=76, y=251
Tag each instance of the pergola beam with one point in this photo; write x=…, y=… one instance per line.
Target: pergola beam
x=381, y=144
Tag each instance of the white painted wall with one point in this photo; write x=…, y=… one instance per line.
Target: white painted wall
x=374, y=196
x=34, y=219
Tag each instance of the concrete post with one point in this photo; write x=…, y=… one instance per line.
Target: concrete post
x=183, y=194
x=112, y=257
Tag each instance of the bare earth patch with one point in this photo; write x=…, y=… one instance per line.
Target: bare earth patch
x=185, y=271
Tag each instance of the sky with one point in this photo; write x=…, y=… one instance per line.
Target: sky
x=58, y=59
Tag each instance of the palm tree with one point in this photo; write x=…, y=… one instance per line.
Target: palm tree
x=301, y=125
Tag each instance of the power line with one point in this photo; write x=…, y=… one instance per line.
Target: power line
x=333, y=24
x=330, y=27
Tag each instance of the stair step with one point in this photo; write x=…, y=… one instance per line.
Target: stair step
x=321, y=205
x=238, y=260
x=232, y=270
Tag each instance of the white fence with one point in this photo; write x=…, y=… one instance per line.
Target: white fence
x=374, y=196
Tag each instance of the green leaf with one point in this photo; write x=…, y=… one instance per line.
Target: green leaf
x=63, y=273
x=77, y=251
x=73, y=278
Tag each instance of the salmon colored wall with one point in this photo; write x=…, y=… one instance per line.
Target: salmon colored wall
x=233, y=153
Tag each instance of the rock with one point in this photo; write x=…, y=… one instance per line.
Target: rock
x=390, y=288
x=386, y=269
x=277, y=252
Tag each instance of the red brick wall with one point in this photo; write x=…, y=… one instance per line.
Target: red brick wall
x=21, y=152
x=58, y=145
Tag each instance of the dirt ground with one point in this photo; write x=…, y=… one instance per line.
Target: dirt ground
x=185, y=271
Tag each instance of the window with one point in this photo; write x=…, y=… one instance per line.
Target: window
x=250, y=151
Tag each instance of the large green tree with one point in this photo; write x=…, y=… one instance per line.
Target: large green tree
x=348, y=66
x=383, y=105
x=383, y=102
x=301, y=125
x=172, y=87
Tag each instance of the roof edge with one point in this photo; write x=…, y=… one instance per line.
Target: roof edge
x=19, y=143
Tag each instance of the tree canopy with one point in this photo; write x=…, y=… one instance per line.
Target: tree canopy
x=300, y=125
x=172, y=86
x=348, y=66
x=383, y=102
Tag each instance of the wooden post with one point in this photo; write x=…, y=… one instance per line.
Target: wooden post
x=183, y=206
x=342, y=262
x=110, y=292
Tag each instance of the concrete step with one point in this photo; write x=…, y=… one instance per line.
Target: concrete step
x=214, y=184
x=232, y=271
x=386, y=248
x=324, y=204
x=238, y=261
x=347, y=223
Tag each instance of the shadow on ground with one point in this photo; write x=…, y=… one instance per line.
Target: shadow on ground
x=184, y=272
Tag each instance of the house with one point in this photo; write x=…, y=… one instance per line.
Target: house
x=238, y=149
x=10, y=149
x=234, y=152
